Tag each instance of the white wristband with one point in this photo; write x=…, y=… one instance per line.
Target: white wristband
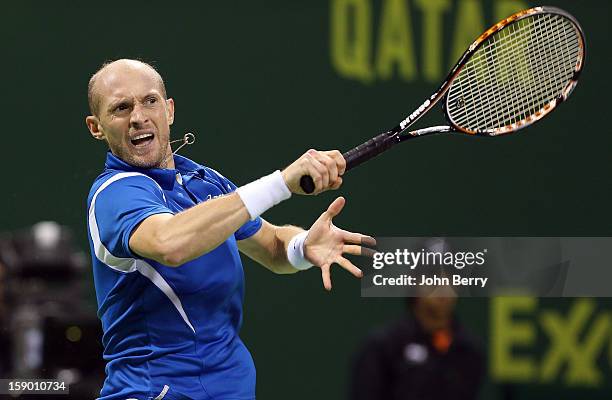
x=295, y=252
x=264, y=193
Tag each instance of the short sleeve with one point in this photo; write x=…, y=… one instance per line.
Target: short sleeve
x=251, y=227
x=121, y=205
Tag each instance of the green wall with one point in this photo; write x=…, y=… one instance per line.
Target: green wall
x=260, y=83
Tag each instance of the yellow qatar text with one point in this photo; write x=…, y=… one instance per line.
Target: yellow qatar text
x=369, y=50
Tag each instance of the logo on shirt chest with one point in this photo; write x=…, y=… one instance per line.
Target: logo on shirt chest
x=215, y=189
x=210, y=196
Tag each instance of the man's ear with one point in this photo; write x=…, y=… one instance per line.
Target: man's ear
x=93, y=124
x=170, y=111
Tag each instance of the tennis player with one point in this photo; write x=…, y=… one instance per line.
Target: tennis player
x=165, y=235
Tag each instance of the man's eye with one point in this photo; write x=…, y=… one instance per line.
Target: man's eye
x=151, y=100
x=121, y=107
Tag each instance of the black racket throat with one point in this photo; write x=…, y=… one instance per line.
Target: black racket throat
x=374, y=147
x=359, y=155
x=362, y=153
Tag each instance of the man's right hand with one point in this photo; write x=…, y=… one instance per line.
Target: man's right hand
x=324, y=167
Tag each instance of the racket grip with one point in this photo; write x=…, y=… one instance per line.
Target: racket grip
x=369, y=149
x=357, y=156
x=307, y=184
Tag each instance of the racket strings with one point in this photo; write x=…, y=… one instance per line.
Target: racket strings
x=515, y=74
x=558, y=63
x=510, y=87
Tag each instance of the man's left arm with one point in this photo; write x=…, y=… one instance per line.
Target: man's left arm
x=324, y=245
x=269, y=247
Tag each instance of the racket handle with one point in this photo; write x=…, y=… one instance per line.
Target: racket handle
x=307, y=184
x=358, y=155
x=370, y=149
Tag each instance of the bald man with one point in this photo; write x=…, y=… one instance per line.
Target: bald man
x=165, y=234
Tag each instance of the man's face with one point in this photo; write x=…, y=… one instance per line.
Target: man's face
x=133, y=116
x=435, y=312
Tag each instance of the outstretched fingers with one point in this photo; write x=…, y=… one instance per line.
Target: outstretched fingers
x=334, y=208
x=325, y=274
x=358, y=250
x=358, y=238
x=344, y=263
x=349, y=266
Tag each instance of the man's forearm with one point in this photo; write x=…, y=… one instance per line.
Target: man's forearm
x=269, y=247
x=284, y=234
x=176, y=239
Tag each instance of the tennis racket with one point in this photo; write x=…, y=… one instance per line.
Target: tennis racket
x=513, y=75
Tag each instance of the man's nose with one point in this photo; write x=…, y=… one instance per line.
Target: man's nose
x=138, y=116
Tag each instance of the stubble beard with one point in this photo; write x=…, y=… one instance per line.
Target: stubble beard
x=159, y=161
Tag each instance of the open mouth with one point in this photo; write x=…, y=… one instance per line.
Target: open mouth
x=142, y=140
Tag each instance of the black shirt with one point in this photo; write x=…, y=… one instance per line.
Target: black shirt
x=401, y=363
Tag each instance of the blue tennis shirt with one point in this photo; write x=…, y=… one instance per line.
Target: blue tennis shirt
x=169, y=333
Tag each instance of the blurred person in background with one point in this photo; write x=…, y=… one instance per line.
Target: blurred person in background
x=427, y=355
